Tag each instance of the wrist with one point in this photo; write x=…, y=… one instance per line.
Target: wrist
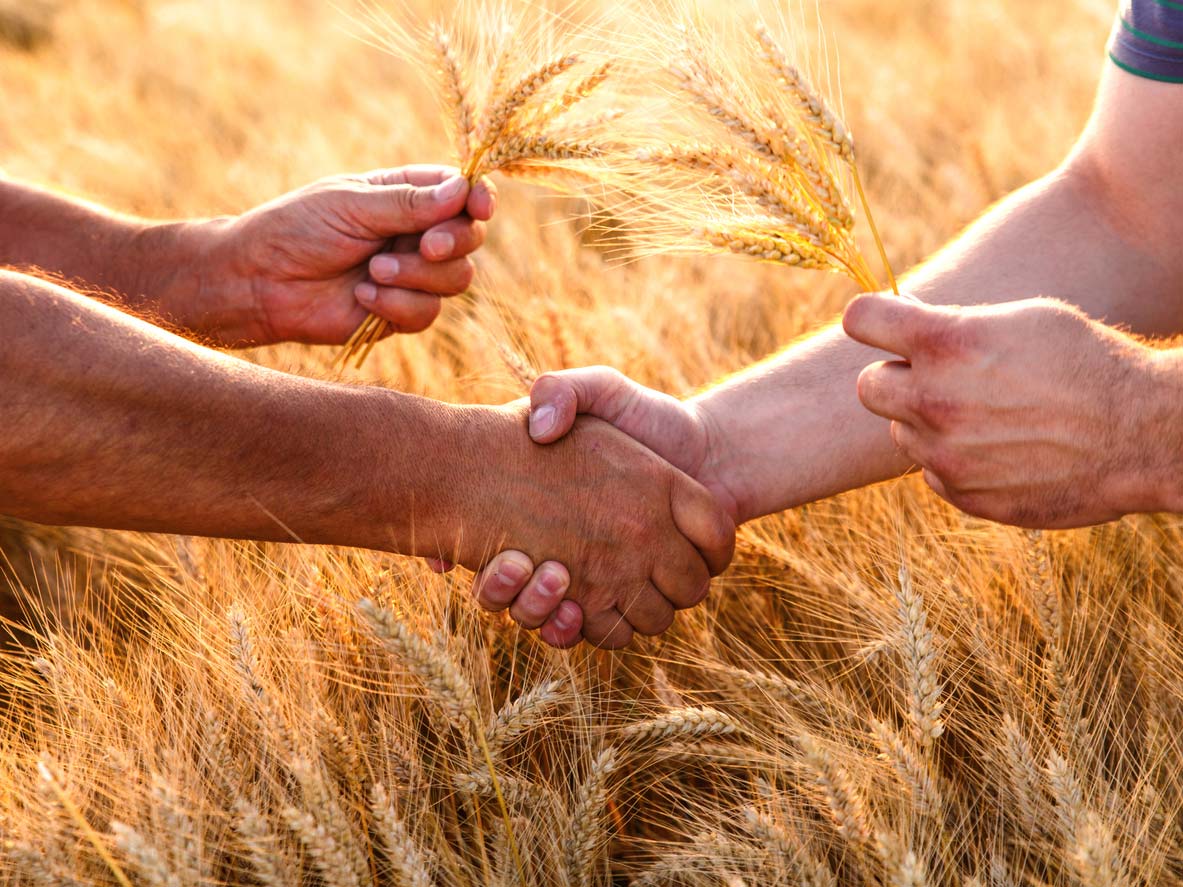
x=1164, y=432
x=189, y=273
x=716, y=469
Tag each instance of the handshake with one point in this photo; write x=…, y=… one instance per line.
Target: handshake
x=650, y=526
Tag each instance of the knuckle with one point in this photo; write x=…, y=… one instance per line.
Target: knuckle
x=656, y=625
x=942, y=462
x=935, y=409
x=465, y=274
x=852, y=318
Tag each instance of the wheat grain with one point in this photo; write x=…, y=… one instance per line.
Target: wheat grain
x=523, y=714
x=810, y=105
x=904, y=868
x=1067, y=793
x=1023, y=772
x=410, y=864
x=586, y=822
x=843, y=801
x=263, y=847
x=517, y=792
x=919, y=649
x=455, y=88
x=145, y=859
x=912, y=769
x=501, y=111
x=678, y=724
x=518, y=366
x=1095, y=857
x=447, y=686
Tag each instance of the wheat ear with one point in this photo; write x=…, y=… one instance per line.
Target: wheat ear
x=919, y=649
x=587, y=819
x=412, y=867
x=845, y=804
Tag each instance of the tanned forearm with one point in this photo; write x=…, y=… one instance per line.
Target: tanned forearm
x=792, y=430
x=109, y=421
x=154, y=269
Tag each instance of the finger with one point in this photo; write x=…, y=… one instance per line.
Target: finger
x=901, y=326
x=938, y=486
x=482, y=199
x=700, y=518
x=647, y=611
x=908, y=441
x=407, y=311
x=563, y=629
x=682, y=576
x=421, y=175
x=498, y=584
x=887, y=389
x=452, y=239
x=541, y=596
x=557, y=398
x=411, y=271
x=405, y=243
x=437, y=565
x=391, y=210
x=607, y=629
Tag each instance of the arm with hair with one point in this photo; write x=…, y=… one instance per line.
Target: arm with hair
x=308, y=266
x=109, y=421
x=1101, y=233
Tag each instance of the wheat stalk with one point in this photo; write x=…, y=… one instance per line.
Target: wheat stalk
x=517, y=125
x=411, y=866
x=843, y=801
x=587, y=819
x=523, y=714
x=678, y=724
x=919, y=648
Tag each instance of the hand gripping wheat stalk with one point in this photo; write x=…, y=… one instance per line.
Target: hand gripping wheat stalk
x=525, y=122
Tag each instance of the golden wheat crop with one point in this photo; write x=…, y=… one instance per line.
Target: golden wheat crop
x=880, y=690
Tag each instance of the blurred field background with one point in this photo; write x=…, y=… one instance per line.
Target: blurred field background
x=212, y=712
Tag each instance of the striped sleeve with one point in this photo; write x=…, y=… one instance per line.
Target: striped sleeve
x=1148, y=39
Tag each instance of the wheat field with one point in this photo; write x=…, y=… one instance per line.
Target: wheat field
x=880, y=691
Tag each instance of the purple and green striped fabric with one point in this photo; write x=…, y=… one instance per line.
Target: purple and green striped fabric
x=1148, y=39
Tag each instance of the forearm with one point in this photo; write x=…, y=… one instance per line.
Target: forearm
x=159, y=270
x=792, y=429
x=111, y=422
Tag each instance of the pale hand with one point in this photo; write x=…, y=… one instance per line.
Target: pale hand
x=1025, y=413
x=311, y=265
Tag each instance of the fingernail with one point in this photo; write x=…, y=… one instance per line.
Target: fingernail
x=385, y=266
x=439, y=243
x=542, y=420
x=552, y=584
x=366, y=293
x=445, y=191
x=563, y=619
x=511, y=574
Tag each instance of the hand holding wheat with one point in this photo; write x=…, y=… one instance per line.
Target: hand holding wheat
x=525, y=121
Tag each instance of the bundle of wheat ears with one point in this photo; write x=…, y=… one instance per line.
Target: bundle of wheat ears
x=771, y=177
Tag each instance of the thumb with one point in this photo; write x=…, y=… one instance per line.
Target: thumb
x=557, y=398
x=901, y=325
x=391, y=210
x=699, y=517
